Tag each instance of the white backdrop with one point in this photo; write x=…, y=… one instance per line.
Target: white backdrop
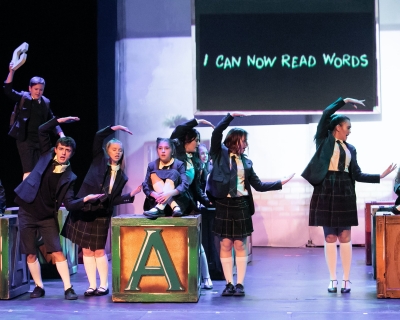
x=155, y=82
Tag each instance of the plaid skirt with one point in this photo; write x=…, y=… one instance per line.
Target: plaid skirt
x=86, y=229
x=333, y=203
x=233, y=218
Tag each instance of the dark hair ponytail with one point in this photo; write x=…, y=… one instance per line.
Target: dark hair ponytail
x=337, y=119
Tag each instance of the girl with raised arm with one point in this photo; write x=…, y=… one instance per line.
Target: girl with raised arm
x=333, y=171
x=229, y=184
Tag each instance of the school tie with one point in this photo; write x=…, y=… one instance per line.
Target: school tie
x=342, y=157
x=114, y=170
x=233, y=178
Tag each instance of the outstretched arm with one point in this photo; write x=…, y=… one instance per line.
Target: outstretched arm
x=11, y=72
x=47, y=127
x=216, y=136
x=389, y=169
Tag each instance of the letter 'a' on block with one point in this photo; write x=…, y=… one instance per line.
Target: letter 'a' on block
x=19, y=56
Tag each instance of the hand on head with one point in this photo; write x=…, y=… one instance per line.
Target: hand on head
x=122, y=128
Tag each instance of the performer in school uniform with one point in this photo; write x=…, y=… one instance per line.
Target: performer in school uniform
x=40, y=196
x=165, y=184
x=88, y=226
x=229, y=185
x=35, y=110
x=333, y=171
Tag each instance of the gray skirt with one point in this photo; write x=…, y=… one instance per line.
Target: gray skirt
x=333, y=203
x=233, y=218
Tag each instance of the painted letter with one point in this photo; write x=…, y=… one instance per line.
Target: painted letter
x=166, y=269
x=19, y=56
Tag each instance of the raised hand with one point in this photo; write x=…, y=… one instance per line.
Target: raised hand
x=238, y=114
x=389, y=169
x=68, y=119
x=354, y=102
x=287, y=179
x=136, y=191
x=122, y=128
x=91, y=197
x=202, y=121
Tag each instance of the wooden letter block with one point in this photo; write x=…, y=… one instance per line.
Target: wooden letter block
x=14, y=275
x=19, y=56
x=155, y=260
x=387, y=256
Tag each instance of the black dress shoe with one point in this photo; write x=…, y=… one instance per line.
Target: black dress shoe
x=101, y=291
x=176, y=212
x=239, y=290
x=229, y=290
x=332, y=286
x=70, y=294
x=37, y=292
x=90, y=292
x=346, y=288
x=151, y=214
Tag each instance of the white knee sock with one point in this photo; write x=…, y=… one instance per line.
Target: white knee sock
x=227, y=267
x=204, y=264
x=345, y=256
x=102, y=268
x=90, y=268
x=62, y=268
x=241, y=266
x=331, y=258
x=34, y=269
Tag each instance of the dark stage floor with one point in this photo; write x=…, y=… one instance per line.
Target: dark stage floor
x=281, y=283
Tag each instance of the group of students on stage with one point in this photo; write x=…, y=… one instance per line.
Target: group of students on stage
x=175, y=184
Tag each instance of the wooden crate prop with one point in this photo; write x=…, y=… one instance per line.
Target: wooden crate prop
x=368, y=211
x=14, y=275
x=155, y=260
x=387, y=244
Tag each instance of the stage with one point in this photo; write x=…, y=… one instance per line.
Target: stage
x=281, y=283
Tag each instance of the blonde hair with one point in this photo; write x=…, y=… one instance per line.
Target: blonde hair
x=121, y=161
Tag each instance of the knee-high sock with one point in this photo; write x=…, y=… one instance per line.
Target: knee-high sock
x=159, y=187
x=241, y=266
x=102, y=268
x=346, y=256
x=90, y=268
x=62, y=268
x=227, y=267
x=34, y=269
x=204, y=264
x=331, y=258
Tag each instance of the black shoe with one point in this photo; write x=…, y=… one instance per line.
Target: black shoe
x=332, y=286
x=37, y=292
x=90, y=292
x=176, y=212
x=70, y=294
x=101, y=291
x=151, y=214
x=229, y=290
x=346, y=288
x=239, y=290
